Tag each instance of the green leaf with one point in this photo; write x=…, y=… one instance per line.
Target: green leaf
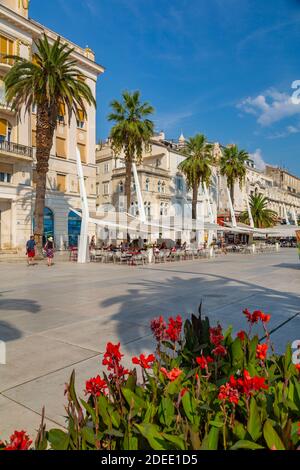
x=133, y=400
x=271, y=437
x=237, y=354
x=254, y=425
x=179, y=442
x=89, y=409
x=239, y=431
x=153, y=436
x=246, y=445
x=89, y=435
x=58, y=439
x=213, y=438
x=190, y=408
x=166, y=411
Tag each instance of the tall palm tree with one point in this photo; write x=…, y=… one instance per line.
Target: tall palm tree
x=197, y=166
x=262, y=216
x=233, y=166
x=50, y=81
x=131, y=133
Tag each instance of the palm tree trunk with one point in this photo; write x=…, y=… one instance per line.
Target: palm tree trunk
x=128, y=183
x=232, y=193
x=46, y=124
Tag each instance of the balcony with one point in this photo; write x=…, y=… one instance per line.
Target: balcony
x=15, y=151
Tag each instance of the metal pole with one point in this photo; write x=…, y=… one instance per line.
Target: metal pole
x=249, y=210
x=286, y=215
x=139, y=194
x=233, y=219
x=83, y=242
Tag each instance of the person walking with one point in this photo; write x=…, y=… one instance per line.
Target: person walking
x=30, y=250
x=49, y=249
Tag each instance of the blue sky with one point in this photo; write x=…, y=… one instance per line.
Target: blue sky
x=220, y=67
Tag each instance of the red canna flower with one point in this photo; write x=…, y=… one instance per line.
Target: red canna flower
x=242, y=335
x=229, y=393
x=204, y=361
x=95, y=386
x=144, y=361
x=216, y=335
x=219, y=351
x=297, y=367
x=112, y=356
x=158, y=327
x=173, y=331
x=256, y=316
x=261, y=351
x=19, y=440
x=173, y=374
x=248, y=384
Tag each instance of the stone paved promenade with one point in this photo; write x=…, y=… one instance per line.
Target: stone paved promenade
x=60, y=318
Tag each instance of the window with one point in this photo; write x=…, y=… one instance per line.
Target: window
x=106, y=167
x=179, y=183
x=121, y=187
x=147, y=208
x=97, y=189
x=147, y=184
x=3, y=128
x=82, y=150
x=159, y=186
x=6, y=48
x=61, y=147
x=105, y=189
x=163, y=188
x=6, y=172
x=80, y=119
x=61, y=182
x=61, y=113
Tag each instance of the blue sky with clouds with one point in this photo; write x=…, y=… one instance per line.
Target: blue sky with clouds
x=220, y=67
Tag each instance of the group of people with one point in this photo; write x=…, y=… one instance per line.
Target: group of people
x=48, y=250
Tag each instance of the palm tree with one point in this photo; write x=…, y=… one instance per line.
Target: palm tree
x=197, y=166
x=131, y=133
x=233, y=166
x=262, y=216
x=50, y=81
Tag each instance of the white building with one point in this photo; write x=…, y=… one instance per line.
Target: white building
x=17, y=144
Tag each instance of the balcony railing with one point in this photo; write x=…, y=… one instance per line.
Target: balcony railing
x=18, y=149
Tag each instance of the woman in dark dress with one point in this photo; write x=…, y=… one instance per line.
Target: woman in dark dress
x=49, y=249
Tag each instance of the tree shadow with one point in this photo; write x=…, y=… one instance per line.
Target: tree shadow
x=9, y=332
x=224, y=299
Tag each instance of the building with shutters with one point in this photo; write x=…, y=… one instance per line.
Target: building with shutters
x=18, y=141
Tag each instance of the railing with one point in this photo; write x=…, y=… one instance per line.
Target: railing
x=16, y=148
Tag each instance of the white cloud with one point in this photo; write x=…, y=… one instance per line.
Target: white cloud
x=270, y=107
x=258, y=159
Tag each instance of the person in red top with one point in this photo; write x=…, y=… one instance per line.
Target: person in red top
x=30, y=250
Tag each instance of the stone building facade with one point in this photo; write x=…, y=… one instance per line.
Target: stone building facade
x=18, y=140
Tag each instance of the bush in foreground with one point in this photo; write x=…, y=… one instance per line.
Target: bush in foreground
x=202, y=389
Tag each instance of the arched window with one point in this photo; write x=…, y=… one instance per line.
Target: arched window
x=159, y=186
x=147, y=184
x=163, y=187
x=48, y=224
x=161, y=212
x=121, y=187
x=147, y=208
x=74, y=227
